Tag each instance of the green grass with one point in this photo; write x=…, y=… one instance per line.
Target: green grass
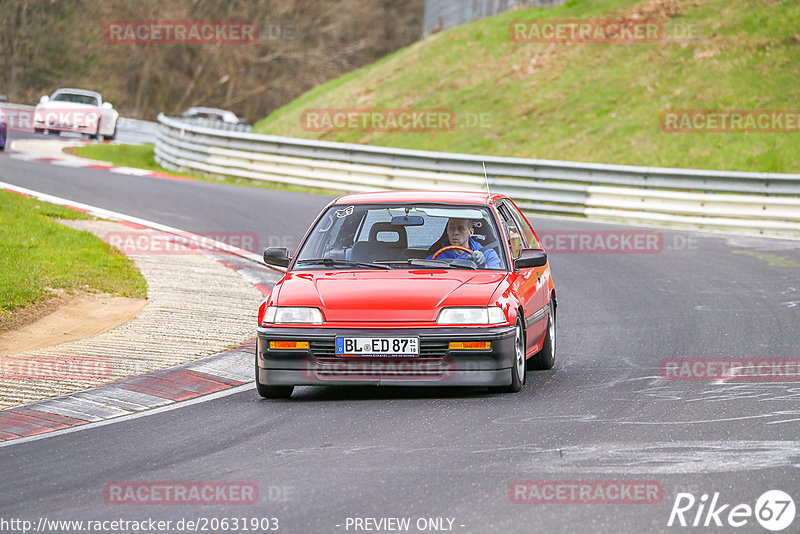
x=590, y=102
x=39, y=255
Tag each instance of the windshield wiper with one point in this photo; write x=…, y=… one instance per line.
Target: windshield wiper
x=432, y=264
x=330, y=262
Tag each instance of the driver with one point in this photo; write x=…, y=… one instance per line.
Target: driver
x=459, y=232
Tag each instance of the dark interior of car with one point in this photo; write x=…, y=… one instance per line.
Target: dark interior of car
x=390, y=242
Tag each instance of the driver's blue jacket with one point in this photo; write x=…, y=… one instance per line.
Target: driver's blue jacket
x=492, y=259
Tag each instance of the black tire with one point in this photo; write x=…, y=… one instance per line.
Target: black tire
x=546, y=358
x=518, y=370
x=273, y=392
x=38, y=130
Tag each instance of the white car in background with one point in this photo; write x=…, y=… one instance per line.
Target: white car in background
x=76, y=110
x=216, y=114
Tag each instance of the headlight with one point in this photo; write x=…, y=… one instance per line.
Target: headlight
x=295, y=315
x=490, y=315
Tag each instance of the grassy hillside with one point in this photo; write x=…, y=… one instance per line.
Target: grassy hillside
x=594, y=102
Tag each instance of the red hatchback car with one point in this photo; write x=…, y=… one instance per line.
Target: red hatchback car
x=409, y=288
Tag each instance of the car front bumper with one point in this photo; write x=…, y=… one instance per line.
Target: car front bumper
x=436, y=365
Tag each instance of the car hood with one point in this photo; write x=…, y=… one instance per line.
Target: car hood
x=386, y=296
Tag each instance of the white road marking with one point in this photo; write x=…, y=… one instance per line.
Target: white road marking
x=116, y=216
x=120, y=419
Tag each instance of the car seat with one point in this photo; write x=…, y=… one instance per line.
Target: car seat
x=386, y=241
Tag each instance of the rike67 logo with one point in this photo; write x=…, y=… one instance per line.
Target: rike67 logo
x=774, y=510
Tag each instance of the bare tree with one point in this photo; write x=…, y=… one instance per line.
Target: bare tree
x=45, y=44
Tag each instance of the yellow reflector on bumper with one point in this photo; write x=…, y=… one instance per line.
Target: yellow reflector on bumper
x=470, y=345
x=288, y=345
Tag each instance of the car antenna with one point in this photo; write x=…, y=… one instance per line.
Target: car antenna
x=485, y=176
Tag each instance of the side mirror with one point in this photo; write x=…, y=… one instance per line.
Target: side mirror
x=44, y=100
x=530, y=257
x=277, y=256
x=108, y=105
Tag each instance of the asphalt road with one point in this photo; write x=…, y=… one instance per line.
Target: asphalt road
x=329, y=456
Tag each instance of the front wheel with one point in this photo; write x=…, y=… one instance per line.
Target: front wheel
x=519, y=366
x=546, y=358
x=273, y=392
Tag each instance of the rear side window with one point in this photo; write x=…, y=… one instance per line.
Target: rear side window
x=530, y=238
x=515, y=236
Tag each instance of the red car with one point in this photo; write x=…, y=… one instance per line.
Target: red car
x=409, y=288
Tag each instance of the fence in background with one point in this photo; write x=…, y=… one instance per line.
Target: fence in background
x=442, y=14
x=763, y=203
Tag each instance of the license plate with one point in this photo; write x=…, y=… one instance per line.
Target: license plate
x=377, y=346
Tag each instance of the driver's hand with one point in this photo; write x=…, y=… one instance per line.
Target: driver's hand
x=478, y=258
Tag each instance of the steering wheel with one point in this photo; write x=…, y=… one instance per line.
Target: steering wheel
x=450, y=247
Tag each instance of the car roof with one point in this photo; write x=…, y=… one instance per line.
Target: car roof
x=439, y=197
x=78, y=92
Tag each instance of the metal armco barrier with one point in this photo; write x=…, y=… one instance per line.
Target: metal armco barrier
x=760, y=203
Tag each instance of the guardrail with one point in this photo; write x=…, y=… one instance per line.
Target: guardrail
x=762, y=203
x=217, y=124
x=138, y=126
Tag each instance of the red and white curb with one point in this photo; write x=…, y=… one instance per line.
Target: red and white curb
x=82, y=163
x=202, y=377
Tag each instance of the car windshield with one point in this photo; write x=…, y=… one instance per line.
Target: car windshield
x=75, y=98
x=403, y=236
